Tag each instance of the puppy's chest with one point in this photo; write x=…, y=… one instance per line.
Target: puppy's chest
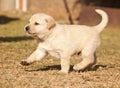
x=54, y=53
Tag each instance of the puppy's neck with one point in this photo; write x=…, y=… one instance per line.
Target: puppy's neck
x=39, y=40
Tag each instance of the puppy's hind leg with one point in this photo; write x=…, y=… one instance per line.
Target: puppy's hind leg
x=89, y=58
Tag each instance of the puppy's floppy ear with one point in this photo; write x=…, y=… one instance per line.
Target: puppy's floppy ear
x=50, y=22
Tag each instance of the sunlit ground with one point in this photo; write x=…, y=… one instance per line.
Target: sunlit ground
x=15, y=46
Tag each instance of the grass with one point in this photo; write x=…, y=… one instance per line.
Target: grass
x=15, y=46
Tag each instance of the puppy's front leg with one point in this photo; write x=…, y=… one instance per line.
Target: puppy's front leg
x=37, y=55
x=65, y=64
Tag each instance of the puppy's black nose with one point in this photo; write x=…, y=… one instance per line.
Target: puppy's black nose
x=27, y=28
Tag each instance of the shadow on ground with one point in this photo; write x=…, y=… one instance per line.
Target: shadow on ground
x=5, y=19
x=96, y=67
x=52, y=67
x=58, y=67
x=14, y=39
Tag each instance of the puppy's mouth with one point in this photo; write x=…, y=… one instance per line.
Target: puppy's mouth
x=31, y=33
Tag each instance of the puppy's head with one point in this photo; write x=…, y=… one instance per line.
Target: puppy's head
x=40, y=25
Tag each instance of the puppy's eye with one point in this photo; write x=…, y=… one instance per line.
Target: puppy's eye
x=37, y=23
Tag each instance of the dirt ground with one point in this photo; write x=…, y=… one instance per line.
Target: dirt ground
x=16, y=46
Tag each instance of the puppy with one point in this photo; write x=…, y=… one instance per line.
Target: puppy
x=63, y=41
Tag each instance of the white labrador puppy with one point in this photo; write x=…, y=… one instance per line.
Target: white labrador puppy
x=63, y=41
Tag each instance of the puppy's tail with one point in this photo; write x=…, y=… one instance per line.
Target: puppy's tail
x=104, y=21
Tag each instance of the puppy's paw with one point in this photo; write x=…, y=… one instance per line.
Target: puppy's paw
x=78, y=67
x=63, y=72
x=24, y=63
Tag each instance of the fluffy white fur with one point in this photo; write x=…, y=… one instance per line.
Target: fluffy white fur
x=63, y=41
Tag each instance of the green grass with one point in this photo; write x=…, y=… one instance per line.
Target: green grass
x=15, y=46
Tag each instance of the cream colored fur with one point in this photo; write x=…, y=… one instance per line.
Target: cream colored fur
x=63, y=41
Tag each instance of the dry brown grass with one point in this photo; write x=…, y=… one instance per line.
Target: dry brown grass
x=15, y=46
